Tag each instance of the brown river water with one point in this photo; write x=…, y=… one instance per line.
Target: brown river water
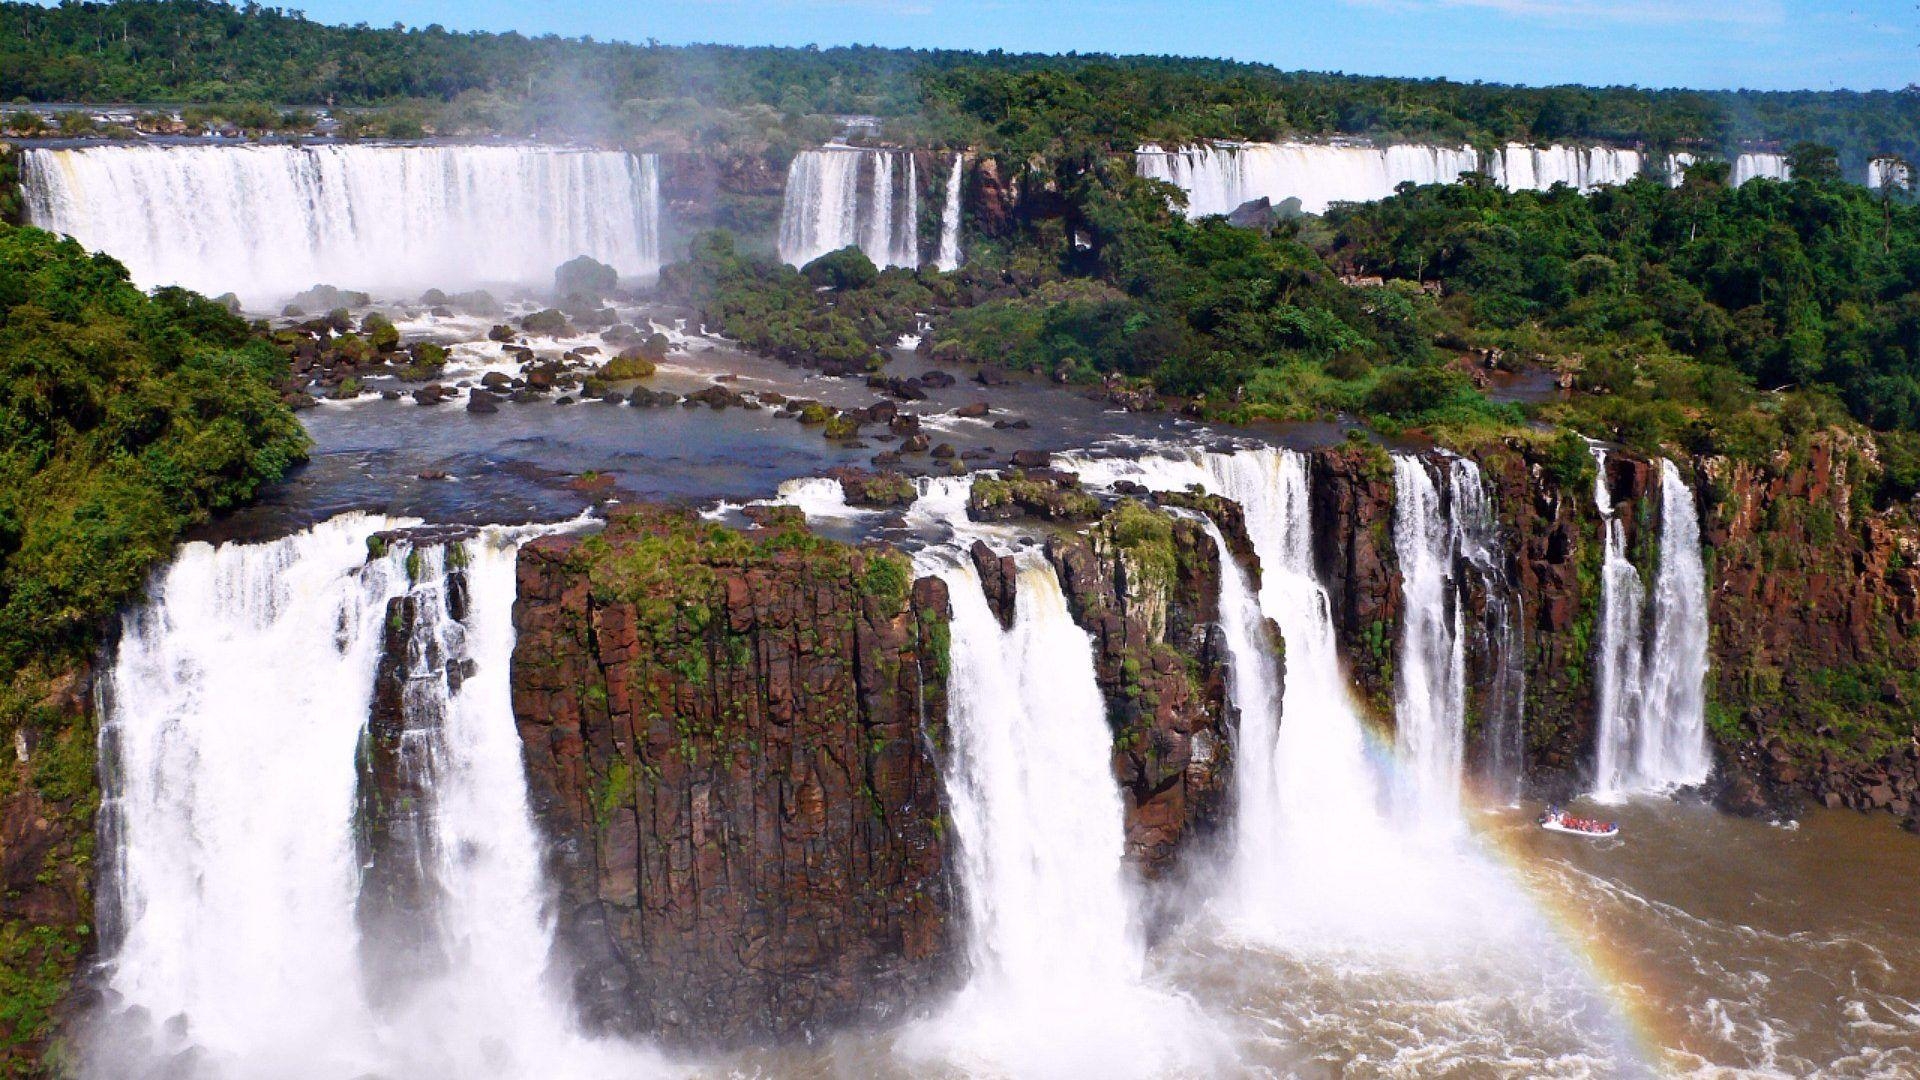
x=1695, y=945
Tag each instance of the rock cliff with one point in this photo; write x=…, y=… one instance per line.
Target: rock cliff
x=730, y=746
x=1146, y=586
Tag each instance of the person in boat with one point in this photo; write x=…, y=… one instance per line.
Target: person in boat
x=1557, y=816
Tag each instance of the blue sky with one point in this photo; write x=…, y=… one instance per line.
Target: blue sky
x=1767, y=44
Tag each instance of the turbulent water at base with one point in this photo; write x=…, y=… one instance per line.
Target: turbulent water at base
x=236, y=708
x=1650, y=731
x=1430, y=695
x=842, y=196
x=948, y=258
x=270, y=221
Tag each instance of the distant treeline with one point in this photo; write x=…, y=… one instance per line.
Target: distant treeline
x=201, y=51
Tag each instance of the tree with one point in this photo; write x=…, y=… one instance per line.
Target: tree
x=1814, y=163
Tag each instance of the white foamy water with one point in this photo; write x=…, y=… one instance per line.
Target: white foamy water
x=1518, y=167
x=1219, y=177
x=266, y=222
x=948, y=259
x=842, y=196
x=1056, y=981
x=1343, y=938
x=1761, y=167
x=1430, y=696
x=237, y=703
x=1650, y=735
x=1672, y=747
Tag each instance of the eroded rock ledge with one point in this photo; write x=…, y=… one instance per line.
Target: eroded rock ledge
x=730, y=747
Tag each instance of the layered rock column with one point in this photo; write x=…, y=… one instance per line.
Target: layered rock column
x=731, y=748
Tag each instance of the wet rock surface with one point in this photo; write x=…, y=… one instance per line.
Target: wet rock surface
x=1146, y=587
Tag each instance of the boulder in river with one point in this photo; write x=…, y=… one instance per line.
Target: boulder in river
x=586, y=277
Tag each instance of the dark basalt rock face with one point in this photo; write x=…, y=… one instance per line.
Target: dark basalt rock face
x=1551, y=534
x=731, y=749
x=999, y=579
x=1352, y=495
x=1147, y=588
x=1815, y=602
x=48, y=803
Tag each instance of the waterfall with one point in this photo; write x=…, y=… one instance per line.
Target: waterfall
x=949, y=257
x=1315, y=852
x=1672, y=749
x=1219, y=177
x=842, y=196
x=243, y=923
x=1651, y=729
x=1501, y=673
x=1519, y=167
x=269, y=221
x=1617, y=675
x=1430, y=690
x=1760, y=167
x=1056, y=958
x=1884, y=171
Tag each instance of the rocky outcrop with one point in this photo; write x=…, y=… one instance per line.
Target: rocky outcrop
x=1542, y=500
x=738, y=191
x=48, y=799
x=730, y=747
x=1352, y=494
x=1040, y=493
x=395, y=765
x=1146, y=586
x=993, y=198
x=1815, y=601
x=1545, y=509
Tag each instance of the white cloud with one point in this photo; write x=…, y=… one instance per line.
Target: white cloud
x=1646, y=12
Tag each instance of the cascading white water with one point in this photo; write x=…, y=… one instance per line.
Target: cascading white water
x=1314, y=846
x=1519, y=167
x=1884, y=171
x=237, y=700
x=1056, y=958
x=1336, y=903
x=1761, y=167
x=843, y=196
x=1651, y=730
x=1502, y=676
x=1617, y=681
x=266, y=222
x=1667, y=747
x=948, y=259
x=1430, y=694
x=1219, y=177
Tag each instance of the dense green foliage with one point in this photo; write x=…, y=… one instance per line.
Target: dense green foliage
x=772, y=308
x=123, y=420
x=1674, y=304
x=775, y=99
